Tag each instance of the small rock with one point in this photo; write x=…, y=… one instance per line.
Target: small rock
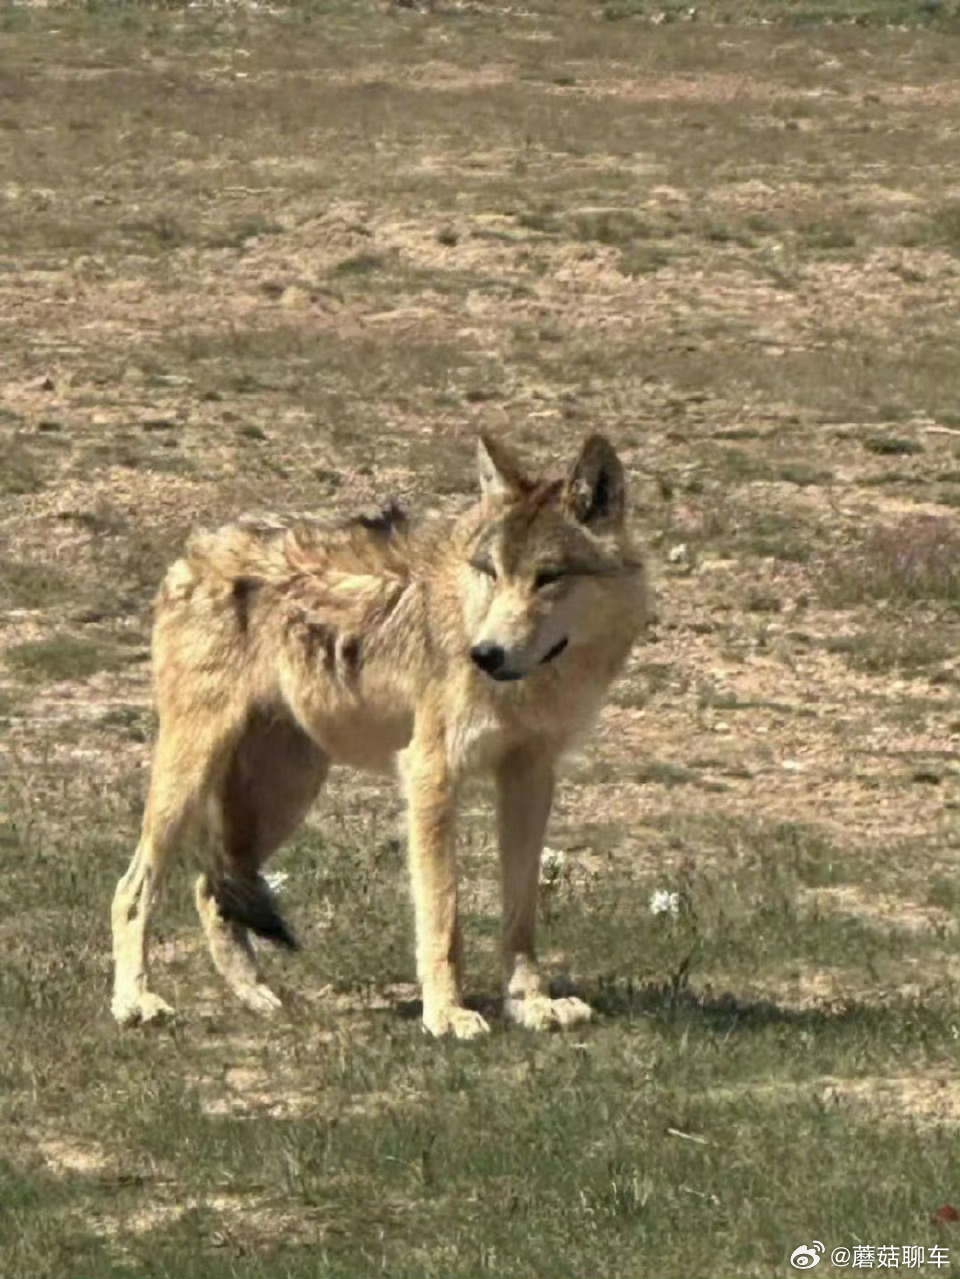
x=926, y=776
x=295, y=298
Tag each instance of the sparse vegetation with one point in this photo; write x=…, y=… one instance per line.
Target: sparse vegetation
x=33, y=584
x=892, y=446
x=913, y=560
x=881, y=649
x=21, y=469
x=61, y=657
x=293, y=256
x=361, y=264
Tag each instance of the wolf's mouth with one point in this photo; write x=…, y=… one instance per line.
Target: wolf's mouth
x=506, y=676
x=554, y=652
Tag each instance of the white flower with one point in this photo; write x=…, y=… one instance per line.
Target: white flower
x=664, y=903
x=552, y=863
x=276, y=880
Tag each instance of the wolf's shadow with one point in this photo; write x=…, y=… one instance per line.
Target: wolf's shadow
x=664, y=1003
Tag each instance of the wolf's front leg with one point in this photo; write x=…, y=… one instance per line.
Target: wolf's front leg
x=524, y=797
x=431, y=810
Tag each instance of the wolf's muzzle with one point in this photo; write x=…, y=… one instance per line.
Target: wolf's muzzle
x=491, y=659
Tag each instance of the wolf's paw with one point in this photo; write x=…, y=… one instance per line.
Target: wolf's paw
x=461, y=1023
x=140, y=1008
x=539, y=1012
x=258, y=997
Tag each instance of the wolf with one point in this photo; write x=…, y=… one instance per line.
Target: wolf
x=483, y=644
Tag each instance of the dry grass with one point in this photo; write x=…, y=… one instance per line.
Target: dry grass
x=916, y=559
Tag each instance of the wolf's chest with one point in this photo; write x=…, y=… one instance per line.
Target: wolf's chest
x=476, y=738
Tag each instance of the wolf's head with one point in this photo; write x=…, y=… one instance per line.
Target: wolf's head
x=550, y=565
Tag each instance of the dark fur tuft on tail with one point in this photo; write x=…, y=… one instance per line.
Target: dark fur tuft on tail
x=251, y=903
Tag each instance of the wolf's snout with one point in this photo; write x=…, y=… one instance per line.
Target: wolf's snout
x=489, y=657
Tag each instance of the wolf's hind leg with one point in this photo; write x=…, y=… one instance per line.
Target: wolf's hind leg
x=181, y=770
x=272, y=779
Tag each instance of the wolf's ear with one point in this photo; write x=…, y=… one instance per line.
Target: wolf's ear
x=500, y=474
x=595, y=492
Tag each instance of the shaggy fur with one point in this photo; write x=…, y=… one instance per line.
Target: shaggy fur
x=483, y=645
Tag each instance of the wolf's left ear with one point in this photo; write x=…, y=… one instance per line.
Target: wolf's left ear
x=500, y=475
x=595, y=492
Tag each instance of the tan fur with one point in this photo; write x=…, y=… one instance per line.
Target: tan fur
x=283, y=647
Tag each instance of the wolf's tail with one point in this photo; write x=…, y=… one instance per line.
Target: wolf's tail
x=251, y=903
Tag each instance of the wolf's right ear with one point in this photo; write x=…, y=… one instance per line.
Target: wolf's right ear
x=596, y=487
x=500, y=476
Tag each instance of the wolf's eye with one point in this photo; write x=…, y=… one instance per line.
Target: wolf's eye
x=547, y=577
x=485, y=567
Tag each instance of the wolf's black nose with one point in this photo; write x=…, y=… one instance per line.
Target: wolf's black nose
x=489, y=657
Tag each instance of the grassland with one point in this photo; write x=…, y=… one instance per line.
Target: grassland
x=295, y=256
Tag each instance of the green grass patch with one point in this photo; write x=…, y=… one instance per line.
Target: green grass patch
x=63, y=656
x=252, y=1152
